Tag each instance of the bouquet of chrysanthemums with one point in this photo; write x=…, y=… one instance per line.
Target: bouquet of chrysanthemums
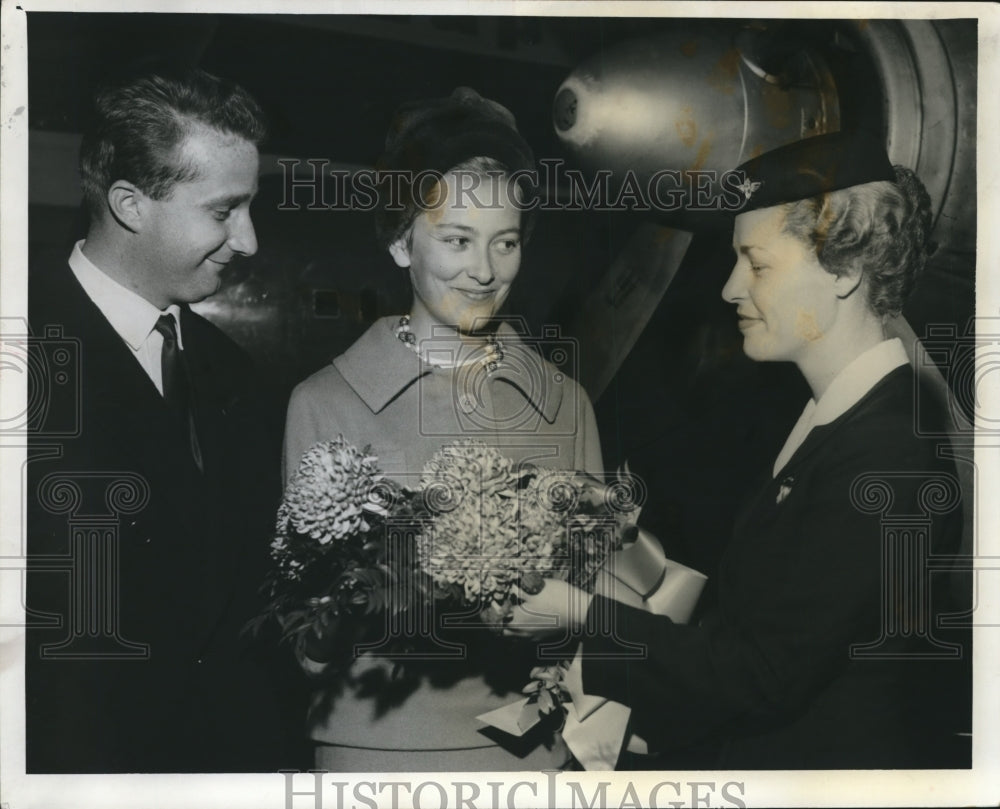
x=353, y=547
x=332, y=555
x=496, y=524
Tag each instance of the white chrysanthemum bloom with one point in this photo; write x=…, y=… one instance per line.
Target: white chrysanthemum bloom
x=473, y=466
x=326, y=499
x=473, y=541
x=495, y=525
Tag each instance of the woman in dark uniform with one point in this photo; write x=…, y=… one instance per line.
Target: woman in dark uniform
x=811, y=659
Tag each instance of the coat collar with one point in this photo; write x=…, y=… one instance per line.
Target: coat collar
x=847, y=389
x=901, y=375
x=379, y=368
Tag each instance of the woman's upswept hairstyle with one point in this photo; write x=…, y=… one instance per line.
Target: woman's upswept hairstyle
x=881, y=228
x=139, y=122
x=431, y=137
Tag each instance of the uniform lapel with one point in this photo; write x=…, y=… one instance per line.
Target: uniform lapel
x=773, y=489
x=822, y=433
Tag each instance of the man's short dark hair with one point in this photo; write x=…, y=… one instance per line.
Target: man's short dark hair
x=139, y=122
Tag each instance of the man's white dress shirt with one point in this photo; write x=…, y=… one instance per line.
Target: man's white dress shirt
x=131, y=315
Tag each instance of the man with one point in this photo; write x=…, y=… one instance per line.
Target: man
x=135, y=662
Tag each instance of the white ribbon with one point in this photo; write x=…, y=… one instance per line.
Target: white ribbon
x=641, y=576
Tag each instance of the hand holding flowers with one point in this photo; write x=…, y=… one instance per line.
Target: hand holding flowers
x=498, y=526
x=354, y=550
x=532, y=618
x=355, y=554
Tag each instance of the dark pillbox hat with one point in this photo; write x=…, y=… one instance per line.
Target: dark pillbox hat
x=814, y=166
x=437, y=134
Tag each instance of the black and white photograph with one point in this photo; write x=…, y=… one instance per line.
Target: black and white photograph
x=498, y=404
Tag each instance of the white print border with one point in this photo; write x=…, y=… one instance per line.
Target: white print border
x=980, y=786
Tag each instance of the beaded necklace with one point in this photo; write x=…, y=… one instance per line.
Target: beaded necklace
x=493, y=348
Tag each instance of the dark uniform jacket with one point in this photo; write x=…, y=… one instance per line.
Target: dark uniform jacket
x=812, y=658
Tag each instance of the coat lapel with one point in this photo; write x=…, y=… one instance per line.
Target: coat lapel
x=127, y=427
x=822, y=433
x=772, y=491
x=125, y=422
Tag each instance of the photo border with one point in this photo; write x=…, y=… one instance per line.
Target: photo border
x=978, y=786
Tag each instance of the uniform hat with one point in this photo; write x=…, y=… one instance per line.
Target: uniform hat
x=814, y=166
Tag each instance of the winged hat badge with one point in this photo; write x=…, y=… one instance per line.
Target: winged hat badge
x=747, y=187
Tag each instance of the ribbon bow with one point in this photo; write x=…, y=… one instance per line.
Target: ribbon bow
x=641, y=576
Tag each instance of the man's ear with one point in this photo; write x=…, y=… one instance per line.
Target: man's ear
x=126, y=203
x=400, y=252
x=846, y=283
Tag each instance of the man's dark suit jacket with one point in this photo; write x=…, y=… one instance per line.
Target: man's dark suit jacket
x=190, y=553
x=767, y=680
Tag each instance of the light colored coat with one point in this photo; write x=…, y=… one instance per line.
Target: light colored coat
x=381, y=394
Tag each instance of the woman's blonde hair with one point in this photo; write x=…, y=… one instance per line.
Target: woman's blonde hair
x=880, y=228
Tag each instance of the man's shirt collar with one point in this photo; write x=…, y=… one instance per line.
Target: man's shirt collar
x=131, y=315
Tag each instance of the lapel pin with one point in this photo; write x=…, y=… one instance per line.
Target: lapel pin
x=784, y=489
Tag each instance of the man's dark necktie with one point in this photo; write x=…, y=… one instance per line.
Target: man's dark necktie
x=177, y=383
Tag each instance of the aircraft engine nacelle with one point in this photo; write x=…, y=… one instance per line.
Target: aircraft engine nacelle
x=701, y=99
x=712, y=94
